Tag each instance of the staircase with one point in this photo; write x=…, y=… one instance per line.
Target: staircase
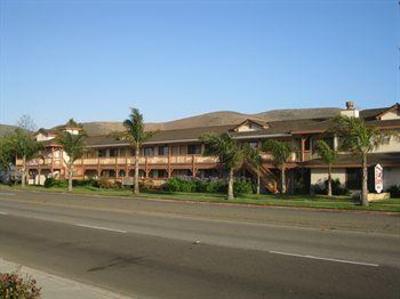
x=268, y=179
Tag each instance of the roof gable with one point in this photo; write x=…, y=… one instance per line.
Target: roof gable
x=390, y=114
x=250, y=125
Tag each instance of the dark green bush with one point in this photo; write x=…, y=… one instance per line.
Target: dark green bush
x=181, y=184
x=337, y=188
x=243, y=186
x=394, y=191
x=216, y=186
x=190, y=184
x=13, y=286
x=85, y=183
x=52, y=182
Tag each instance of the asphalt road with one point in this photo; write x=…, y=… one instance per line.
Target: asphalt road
x=154, y=249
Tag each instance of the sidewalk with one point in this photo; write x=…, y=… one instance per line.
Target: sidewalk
x=55, y=287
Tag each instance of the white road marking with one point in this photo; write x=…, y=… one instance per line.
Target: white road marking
x=3, y=213
x=324, y=258
x=102, y=228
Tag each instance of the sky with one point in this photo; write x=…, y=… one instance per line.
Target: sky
x=92, y=60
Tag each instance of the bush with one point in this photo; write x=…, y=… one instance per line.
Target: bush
x=181, y=184
x=85, y=183
x=243, y=186
x=13, y=286
x=337, y=188
x=106, y=183
x=216, y=186
x=52, y=182
x=394, y=191
x=190, y=184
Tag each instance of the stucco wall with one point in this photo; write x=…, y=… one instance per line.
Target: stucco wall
x=391, y=115
x=392, y=145
x=320, y=175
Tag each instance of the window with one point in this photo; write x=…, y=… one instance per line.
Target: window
x=175, y=150
x=163, y=150
x=353, y=178
x=113, y=152
x=102, y=153
x=307, y=145
x=194, y=149
x=91, y=154
x=148, y=151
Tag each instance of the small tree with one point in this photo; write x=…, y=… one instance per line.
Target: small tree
x=136, y=135
x=26, y=147
x=229, y=154
x=253, y=157
x=280, y=154
x=328, y=155
x=359, y=139
x=73, y=145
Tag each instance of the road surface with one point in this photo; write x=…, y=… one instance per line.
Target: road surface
x=158, y=249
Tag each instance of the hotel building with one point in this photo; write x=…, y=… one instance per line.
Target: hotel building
x=179, y=152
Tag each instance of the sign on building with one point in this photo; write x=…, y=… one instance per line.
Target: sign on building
x=378, y=178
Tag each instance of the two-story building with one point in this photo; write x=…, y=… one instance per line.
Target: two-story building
x=179, y=152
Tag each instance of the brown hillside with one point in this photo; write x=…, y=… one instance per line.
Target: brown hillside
x=218, y=118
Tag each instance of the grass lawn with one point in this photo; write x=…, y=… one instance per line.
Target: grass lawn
x=304, y=201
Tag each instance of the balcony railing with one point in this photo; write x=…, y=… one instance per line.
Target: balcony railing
x=149, y=160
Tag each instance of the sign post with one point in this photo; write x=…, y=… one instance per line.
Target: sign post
x=378, y=178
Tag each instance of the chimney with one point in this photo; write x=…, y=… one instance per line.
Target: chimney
x=350, y=110
x=350, y=105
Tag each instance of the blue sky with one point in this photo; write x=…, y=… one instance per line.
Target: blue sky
x=92, y=60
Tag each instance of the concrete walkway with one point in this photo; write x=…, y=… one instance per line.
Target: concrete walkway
x=56, y=287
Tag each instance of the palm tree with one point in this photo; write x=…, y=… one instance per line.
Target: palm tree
x=25, y=146
x=328, y=155
x=229, y=154
x=359, y=139
x=136, y=135
x=253, y=157
x=280, y=154
x=74, y=146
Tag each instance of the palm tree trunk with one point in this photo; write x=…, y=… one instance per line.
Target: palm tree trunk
x=364, y=187
x=23, y=178
x=258, y=183
x=39, y=174
x=69, y=177
x=230, y=184
x=329, y=180
x=283, y=180
x=136, y=183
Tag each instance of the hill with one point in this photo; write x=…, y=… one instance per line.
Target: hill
x=218, y=118
x=4, y=129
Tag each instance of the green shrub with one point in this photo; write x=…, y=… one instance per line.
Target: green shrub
x=216, y=186
x=394, y=191
x=190, y=184
x=337, y=188
x=85, y=183
x=52, y=182
x=243, y=186
x=14, y=286
x=181, y=184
